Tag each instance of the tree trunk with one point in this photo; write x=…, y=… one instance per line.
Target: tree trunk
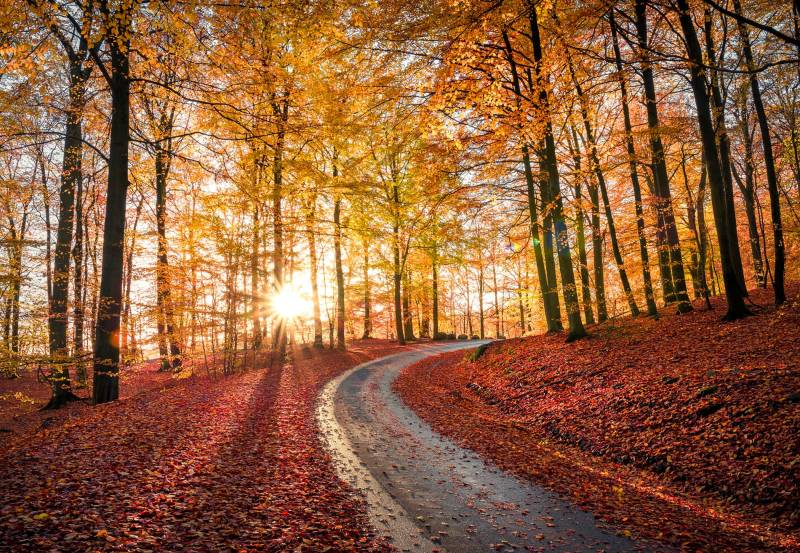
x=255, y=280
x=480, y=301
x=71, y=174
x=367, y=314
x=601, y=181
x=576, y=329
x=106, y=349
x=597, y=253
x=398, y=310
x=637, y=191
x=669, y=251
x=769, y=164
x=580, y=231
x=724, y=147
x=172, y=359
x=312, y=252
x=748, y=190
x=281, y=111
x=408, y=318
x=337, y=246
x=435, y=293
x=733, y=292
x=553, y=320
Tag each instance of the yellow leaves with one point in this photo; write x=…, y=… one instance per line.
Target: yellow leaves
x=40, y=516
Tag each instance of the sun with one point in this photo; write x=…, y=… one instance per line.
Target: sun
x=288, y=303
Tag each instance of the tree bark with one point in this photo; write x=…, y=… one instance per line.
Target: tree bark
x=733, y=292
x=586, y=292
x=367, y=310
x=779, y=262
x=337, y=246
x=652, y=310
x=576, y=329
x=106, y=349
x=669, y=252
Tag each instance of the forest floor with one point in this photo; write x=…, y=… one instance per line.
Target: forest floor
x=684, y=429
x=205, y=463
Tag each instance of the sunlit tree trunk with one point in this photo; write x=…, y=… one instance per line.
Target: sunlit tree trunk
x=632, y=165
x=580, y=231
x=367, y=310
x=313, y=262
x=576, y=329
x=281, y=111
x=337, y=246
x=669, y=252
x=435, y=293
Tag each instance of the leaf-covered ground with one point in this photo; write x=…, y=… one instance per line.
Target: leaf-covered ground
x=685, y=429
x=202, y=464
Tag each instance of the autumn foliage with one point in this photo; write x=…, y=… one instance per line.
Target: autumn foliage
x=682, y=429
x=205, y=464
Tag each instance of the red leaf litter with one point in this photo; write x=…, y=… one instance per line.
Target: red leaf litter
x=203, y=464
x=685, y=429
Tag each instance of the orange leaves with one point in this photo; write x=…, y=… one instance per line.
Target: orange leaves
x=683, y=429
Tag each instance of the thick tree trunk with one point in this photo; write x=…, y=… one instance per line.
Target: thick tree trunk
x=733, y=292
x=669, y=252
x=637, y=191
x=106, y=349
x=769, y=164
x=576, y=329
x=77, y=261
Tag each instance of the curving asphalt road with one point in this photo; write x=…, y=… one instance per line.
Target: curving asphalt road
x=427, y=494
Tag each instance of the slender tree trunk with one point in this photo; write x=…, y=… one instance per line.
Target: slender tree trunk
x=601, y=181
x=497, y=331
x=255, y=280
x=724, y=147
x=748, y=190
x=77, y=260
x=580, y=231
x=733, y=292
x=281, y=110
x=435, y=294
x=597, y=253
x=769, y=164
x=576, y=329
x=367, y=310
x=337, y=246
x=637, y=191
x=398, y=310
x=408, y=318
x=172, y=359
x=548, y=304
x=669, y=251
x=71, y=174
x=312, y=252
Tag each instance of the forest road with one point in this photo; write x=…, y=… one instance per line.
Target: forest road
x=424, y=492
